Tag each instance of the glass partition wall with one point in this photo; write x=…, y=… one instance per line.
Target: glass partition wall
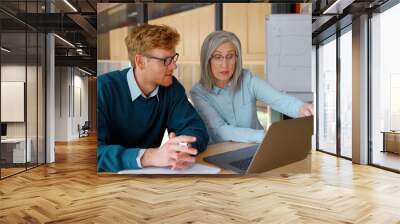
x=334, y=104
x=346, y=93
x=22, y=77
x=13, y=89
x=385, y=89
x=327, y=95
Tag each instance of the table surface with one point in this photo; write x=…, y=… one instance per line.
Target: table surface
x=302, y=166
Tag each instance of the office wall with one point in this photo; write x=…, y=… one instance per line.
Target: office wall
x=103, y=46
x=117, y=48
x=61, y=103
x=33, y=126
x=71, y=102
x=247, y=21
x=12, y=98
x=15, y=72
x=193, y=26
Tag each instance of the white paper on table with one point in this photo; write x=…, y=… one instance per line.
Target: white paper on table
x=195, y=169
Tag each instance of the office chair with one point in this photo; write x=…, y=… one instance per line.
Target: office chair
x=84, y=130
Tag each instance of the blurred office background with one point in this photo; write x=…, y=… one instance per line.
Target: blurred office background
x=48, y=83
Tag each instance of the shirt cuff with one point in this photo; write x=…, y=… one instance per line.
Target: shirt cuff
x=139, y=157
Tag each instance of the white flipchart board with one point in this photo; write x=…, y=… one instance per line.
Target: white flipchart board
x=288, y=54
x=12, y=101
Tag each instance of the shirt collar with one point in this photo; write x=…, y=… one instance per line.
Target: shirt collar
x=217, y=90
x=134, y=88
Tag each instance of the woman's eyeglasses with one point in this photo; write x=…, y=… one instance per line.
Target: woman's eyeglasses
x=219, y=59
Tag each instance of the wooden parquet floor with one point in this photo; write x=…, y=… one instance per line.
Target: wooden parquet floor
x=70, y=191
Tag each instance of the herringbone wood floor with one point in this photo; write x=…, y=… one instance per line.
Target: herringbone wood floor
x=70, y=191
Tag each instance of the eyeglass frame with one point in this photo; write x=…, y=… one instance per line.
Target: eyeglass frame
x=223, y=58
x=164, y=60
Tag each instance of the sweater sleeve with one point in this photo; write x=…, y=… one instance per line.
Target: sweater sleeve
x=110, y=158
x=279, y=101
x=183, y=118
x=218, y=129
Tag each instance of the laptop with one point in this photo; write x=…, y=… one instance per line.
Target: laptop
x=285, y=142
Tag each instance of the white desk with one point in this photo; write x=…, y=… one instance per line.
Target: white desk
x=17, y=146
x=302, y=166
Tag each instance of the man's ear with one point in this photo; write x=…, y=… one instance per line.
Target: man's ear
x=139, y=61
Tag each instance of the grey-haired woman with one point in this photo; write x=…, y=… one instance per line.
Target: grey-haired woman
x=226, y=95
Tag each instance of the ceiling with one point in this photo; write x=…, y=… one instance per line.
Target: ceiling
x=75, y=22
x=325, y=13
x=330, y=16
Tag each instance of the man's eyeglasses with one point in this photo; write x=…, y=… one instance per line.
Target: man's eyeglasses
x=167, y=60
x=219, y=59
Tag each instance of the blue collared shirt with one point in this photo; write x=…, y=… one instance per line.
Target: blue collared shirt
x=232, y=115
x=134, y=88
x=135, y=93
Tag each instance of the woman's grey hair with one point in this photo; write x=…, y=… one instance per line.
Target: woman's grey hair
x=212, y=42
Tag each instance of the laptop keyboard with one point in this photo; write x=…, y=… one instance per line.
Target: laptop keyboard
x=242, y=164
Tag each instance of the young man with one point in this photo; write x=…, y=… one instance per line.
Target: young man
x=136, y=105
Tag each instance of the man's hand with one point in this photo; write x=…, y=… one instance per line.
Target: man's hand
x=171, y=153
x=185, y=159
x=306, y=110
